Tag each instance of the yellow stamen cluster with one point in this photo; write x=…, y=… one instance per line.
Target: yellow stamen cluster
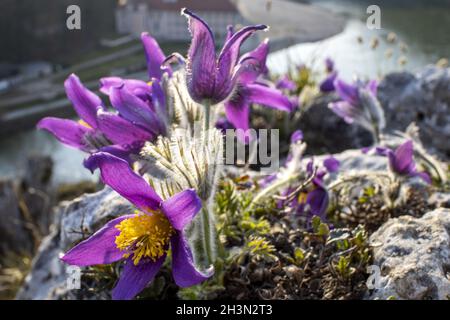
x=84, y=124
x=144, y=235
x=302, y=196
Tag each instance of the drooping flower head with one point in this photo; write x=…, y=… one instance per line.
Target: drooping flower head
x=141, y=239
x=401, y=162
x=251, y=88
x=208, y=77
x=97, y=129
x=359, y=104
x=140, y=113
x=154, y=56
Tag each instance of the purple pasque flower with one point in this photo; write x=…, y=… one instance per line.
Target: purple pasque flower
x=138, y=101
x=315, y=198
x=154, y=56
x=210, y=78
x=359, y=104
x=401, y=162
x=251, y=89
x=97, y=130
x=349, y=108
x=120, y=133
x=142, y=240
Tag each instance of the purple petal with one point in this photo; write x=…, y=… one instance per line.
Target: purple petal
x=136, y=87
x=118, y=151
x=238, y=112
x=68, y=132
x=310, y=167
x=182, y=208
x=331, y=164
x=285, y=83
x=253, y=64
x=184, y=271
x=228, y=59
x=269, y=97
x=403, y=160
x=328, y=84
x=134, y=279
x=296, y=136
x=133, y=109
x=424, y=176
x=159, y=104
x=201, y=63
x=347, y=92
x=154, y=56
x=85, y=102
x=122, y=132
x=117, y=174
x=372, y=86
x=223, y=124
x=381, y=151
x=318, y=201
x=344, y=110
x=100, y=248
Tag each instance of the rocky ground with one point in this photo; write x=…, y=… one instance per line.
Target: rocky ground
x=367, y=249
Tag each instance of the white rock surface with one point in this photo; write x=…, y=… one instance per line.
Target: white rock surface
x=414, y=257
x=75, y=221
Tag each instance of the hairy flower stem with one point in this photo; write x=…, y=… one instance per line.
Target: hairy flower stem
x=210, y=241
x=203, y=237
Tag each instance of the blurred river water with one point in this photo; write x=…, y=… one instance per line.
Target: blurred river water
x=421, y=27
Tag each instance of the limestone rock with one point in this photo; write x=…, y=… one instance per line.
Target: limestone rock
x=423, y=98
x=414, y=257
x=325, y=132
x=74, y=221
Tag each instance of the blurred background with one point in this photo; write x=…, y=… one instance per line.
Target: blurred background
x=38, y=51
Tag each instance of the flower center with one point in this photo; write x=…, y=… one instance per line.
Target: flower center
x=145, y=235
x=302, y=196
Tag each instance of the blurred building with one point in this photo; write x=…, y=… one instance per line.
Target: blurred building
x=161, y=18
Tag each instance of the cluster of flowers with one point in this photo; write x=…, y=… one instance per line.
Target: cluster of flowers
x=141, y=117
x=114, y=139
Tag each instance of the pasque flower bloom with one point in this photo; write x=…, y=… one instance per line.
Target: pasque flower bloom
x=120, y=133
x=359, y=105
x=350, y=108
x=210, y=78
x=141, y=113
x=316, y=197
x=401, y=162
x=141, y=239
x=251, y=89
